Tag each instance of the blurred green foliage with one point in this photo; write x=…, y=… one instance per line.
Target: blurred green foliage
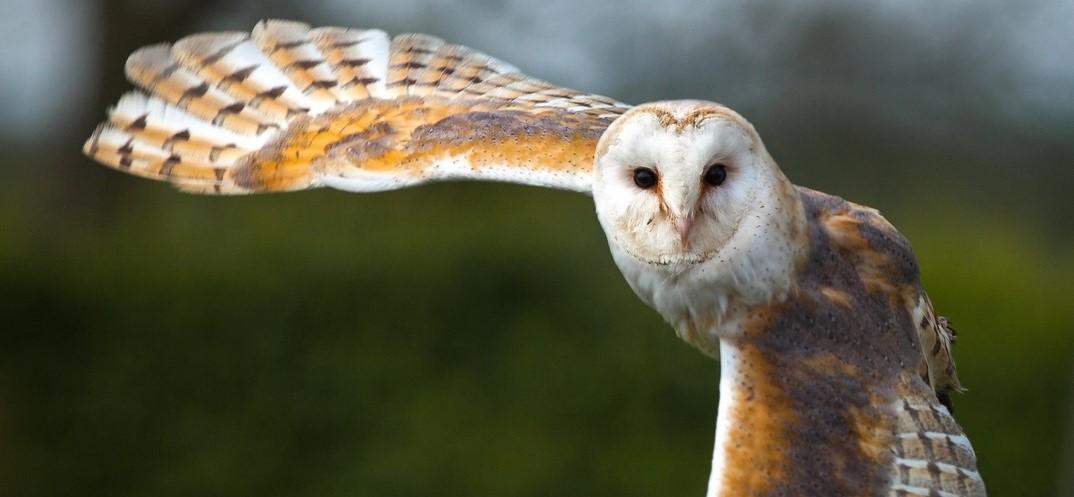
x=459, y=339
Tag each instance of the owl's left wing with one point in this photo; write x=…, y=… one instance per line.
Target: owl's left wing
x=887, y=265
x=930, y=453
x=288, y=107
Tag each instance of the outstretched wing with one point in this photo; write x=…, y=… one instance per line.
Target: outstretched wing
x=288, y=107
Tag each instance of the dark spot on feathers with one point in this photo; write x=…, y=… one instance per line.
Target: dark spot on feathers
x=167, y=72
x=195, y=92
x=354, y=62
x=234, y=108
x=306, y=64
x=241, y=75
x=220, y=54
x=301, y=111
x=139, y=123
x=346, y=43
x=169, y=164
x=410, y=65
x=272, y=93
x=290, y=44
x=323, y=84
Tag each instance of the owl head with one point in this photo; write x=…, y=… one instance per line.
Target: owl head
x=699, y=217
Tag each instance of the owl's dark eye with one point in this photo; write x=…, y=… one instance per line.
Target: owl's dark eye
x=716, y=174
x=644, y=177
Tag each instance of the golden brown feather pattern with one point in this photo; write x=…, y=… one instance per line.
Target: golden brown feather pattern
x=412, y=140
x=288, y=107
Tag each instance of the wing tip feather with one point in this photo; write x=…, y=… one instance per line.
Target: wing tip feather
x=199, y=47
x=173, y=87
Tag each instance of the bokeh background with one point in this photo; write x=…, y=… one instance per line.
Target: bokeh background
x=476, y=339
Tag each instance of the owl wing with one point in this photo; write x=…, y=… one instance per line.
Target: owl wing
x=886, y=264
x=893, y=267
x=931, y=455
x=288, y=107
x=936, y=336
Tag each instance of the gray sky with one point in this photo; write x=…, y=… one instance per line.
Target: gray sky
x=1019, y=54
x=41, y=45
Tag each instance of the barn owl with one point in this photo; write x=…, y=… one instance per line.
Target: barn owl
x=835, y=369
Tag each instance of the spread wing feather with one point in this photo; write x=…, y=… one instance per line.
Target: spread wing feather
x=288, y=107
x=936, y=337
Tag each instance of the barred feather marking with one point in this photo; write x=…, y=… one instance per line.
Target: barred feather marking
x=941, y=467
x=156, y=122
x=288, y=107
x=233, y=63
x=955, y=439
x=113, y=145
x=359, y=58
x=411, y=56
x=149, y=137
x=930, y=450
x=289, y=46
x=156, y=70
x=936, y=338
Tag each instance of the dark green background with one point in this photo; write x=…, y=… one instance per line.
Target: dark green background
x=474, y=339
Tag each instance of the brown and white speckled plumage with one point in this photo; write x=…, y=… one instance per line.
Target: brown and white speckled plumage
x=835, y=368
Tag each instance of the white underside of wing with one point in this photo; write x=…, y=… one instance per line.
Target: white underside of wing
x=729, y=359
x=457, y=169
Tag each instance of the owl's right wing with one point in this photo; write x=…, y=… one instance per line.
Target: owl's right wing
x=288, y=107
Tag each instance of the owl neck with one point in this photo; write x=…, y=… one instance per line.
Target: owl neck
x=782, y=424
x=757, y=267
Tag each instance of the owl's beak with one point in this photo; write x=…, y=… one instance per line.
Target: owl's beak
x=680, y=205
x=683, y=225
